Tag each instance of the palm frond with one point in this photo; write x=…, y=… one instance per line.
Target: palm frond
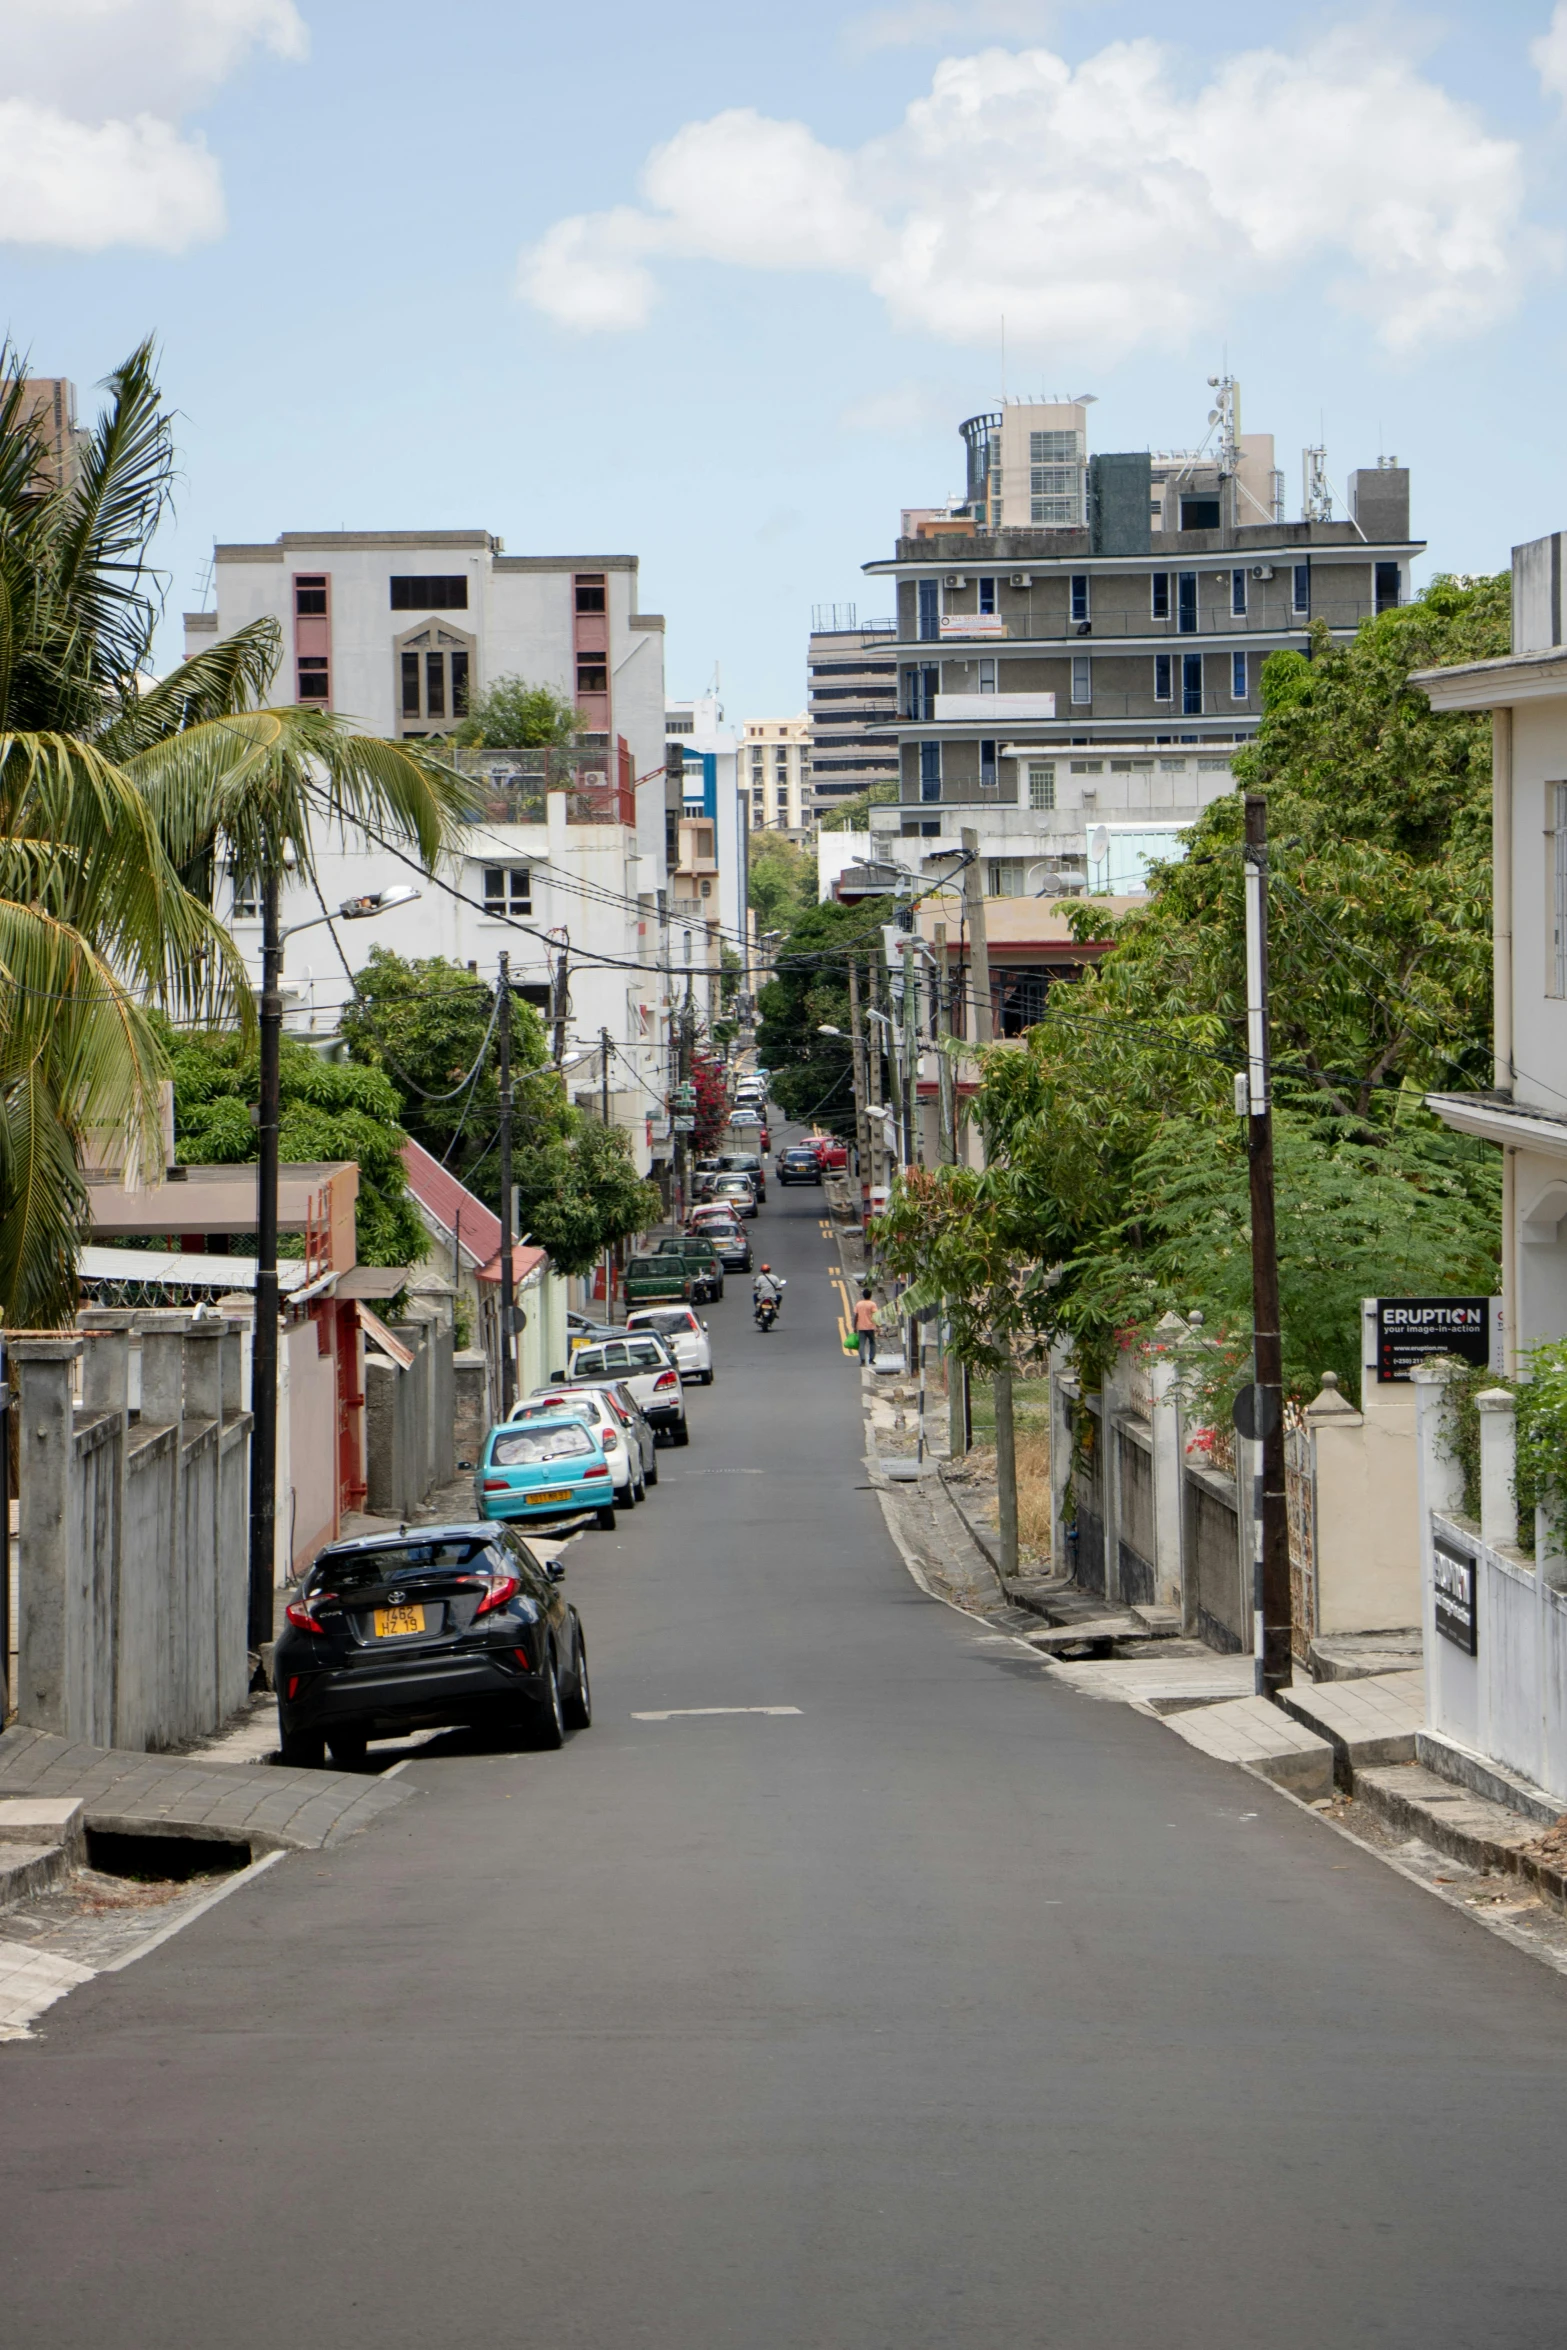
x=43, y=1207
x=219, y=682
x=124, y=479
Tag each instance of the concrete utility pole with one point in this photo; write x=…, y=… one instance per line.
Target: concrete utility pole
x=508, y=1266
x=562, y=974
x=957, y=1373
x=1271, y=1567
x=984, y=1033
x=911, y=1047
x=861, y=1122
x=263, y=1336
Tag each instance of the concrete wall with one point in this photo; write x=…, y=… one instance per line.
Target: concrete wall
x=310, y=1494
x=410, y=1420
x=134, y=1541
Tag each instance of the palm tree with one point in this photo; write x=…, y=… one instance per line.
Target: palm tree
x=117, y=801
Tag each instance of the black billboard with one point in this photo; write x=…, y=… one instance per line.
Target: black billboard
x=1410, y=1328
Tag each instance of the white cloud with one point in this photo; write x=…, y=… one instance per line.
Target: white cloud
x=1548, y=54
x=1100, y=207
x=92, y=93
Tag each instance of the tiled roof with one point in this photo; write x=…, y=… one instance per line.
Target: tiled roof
x=445, y=1201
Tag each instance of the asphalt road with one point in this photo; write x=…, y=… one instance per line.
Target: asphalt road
x=953, y=2010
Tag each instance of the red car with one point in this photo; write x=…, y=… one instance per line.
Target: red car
x=832, y=1155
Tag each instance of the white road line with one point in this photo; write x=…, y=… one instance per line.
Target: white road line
x=683, y=1713
x=197, y=1909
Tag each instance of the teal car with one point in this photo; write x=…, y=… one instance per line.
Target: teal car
x=544, y=1470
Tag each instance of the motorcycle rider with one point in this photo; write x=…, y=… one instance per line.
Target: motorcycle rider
x=767, y=1289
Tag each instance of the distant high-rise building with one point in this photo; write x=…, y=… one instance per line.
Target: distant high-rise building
x=853, y=704
x=51, y=402
x=776, y=773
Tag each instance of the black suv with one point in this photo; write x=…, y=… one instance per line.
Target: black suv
x=799, y=1164
x=452, y=1626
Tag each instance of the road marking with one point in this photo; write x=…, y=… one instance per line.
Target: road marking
x=685, y=1713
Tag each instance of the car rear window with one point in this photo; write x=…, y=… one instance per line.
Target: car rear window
x=647, y=1355
x=515, y=1447
x=550, y=1407
x=667, y=1320
x=360, y=1570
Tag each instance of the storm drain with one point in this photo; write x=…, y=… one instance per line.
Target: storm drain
x=162, y=1860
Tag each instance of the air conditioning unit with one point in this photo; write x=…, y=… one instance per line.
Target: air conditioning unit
x=1022, y=579
x=956, y=579
x=1262, y=571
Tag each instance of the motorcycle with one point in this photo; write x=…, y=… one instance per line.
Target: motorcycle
x=766, y=1312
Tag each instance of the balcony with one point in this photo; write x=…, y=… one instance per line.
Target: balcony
x=511, y=787
x=973, y=709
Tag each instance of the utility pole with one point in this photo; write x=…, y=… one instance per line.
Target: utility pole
x=861, y=1122
x=894, y=1069
x=508, y=1267
x=1001, y=1387
x=604, y=1075
x=263, y=1337
x=978, y=952
x=1271, y=1592
x=957, y=1373
x=911, y=1048
x=561, y=974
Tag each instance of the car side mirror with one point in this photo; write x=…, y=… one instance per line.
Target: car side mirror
x=556, y=1571
x=704, y=1325
x=556, y=1377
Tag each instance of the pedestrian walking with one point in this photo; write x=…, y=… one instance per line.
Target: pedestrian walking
x=865, y=1324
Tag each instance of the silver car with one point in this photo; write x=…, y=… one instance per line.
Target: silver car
x=621, y=1448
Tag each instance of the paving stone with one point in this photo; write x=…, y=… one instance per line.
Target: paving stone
x=1251, y=1731
x=30, y=1981
x=30, y=1869
x=1368, y=1722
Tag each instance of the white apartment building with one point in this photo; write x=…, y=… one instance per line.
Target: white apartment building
x=563, y=863
x=775, y=770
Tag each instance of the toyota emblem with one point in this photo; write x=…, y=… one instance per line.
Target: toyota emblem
x=396, y=1598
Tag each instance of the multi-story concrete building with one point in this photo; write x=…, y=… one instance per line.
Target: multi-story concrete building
x=775, y=770
x=50, y=403
x=563, y=865
x=709, y=870
x=853, y=704
x=1075, y=689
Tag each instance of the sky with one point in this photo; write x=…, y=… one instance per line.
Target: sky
x=715, y=285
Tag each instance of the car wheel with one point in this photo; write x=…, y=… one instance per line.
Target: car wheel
x=626, y=1496
x=549, y=1722
x=650, y=1473
x=347, y=1745
x=705, y=1379
x=578, y=1707
x=302, y=1750
x=605, y=1519
x=680, y=1435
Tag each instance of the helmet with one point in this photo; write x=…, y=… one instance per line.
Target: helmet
x=766, y=1268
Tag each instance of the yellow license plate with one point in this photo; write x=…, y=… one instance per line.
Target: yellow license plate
x=563, y=1495
x=391, y=1623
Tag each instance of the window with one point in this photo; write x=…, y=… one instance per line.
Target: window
x=1172, y=767
x=1237, y=677
x=1160, y=587
x=1387, y=586
x=1191, y=685
x=1041, y=783
x=1088, y=766
x=1052, y=448
x=929, y=610
x=1082, y=677
x=987, y=767
x=1186, y=603
x=1300, y=599
x=435, y=685
x=310, y=596
x=1052, y=512
x=590, y=591
x=247, y=902
x=313, y=681
x=1079, y=595
x=1006, y=877
x=1556, y=810
x=592, y=674
x=1162, y=666
x=922, y=687
x=930, y=771
x=432, y=676
x=1213, y=766
x=987, y=677
x=417, y=592
x=987, y=595
x=1238, y=593
x=1131, y=766
x=508, y=889
x=1199, y=514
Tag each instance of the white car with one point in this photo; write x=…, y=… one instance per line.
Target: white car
x=648, y=1368
x=685, y=1333
x=621, y=1450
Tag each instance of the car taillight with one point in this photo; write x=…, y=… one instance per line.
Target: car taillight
x=599, y=1471
x=498, y=1589
x=496, y=1485
x=665, y=1379
x=523, y=1659
x=301, y=1612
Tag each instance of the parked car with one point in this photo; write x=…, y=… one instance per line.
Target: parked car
x=649, y=1370
x=685, y=1334
x=658, y=1278
x=581, y=1330
x=746, y=1163
x=747, y=1129
x=620, y=1449
x=702, y=1262
x=736, y=1191
x=454, y=1626
x=728, y=1236
x=549, y=1469
x=798, y=1163
x=833, y=1154
x=629, y=1413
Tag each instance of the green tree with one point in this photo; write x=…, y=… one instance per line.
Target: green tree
x=513, y=715
x=782, y=880
x=850, y=815
x=118, y=800
x=581, y=1193
x=1111, y=1132
x=809, y=990
x=330, y=1110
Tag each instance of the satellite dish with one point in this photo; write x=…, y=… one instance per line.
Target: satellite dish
x=1099, y=844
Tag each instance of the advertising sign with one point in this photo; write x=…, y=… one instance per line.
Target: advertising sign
x=1453, y=1583
x=1410, y=1328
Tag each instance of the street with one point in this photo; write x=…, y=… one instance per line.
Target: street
x=949, y=2009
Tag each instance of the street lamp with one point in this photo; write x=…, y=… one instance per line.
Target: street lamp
x=263, y=1337
x=825, y=1028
